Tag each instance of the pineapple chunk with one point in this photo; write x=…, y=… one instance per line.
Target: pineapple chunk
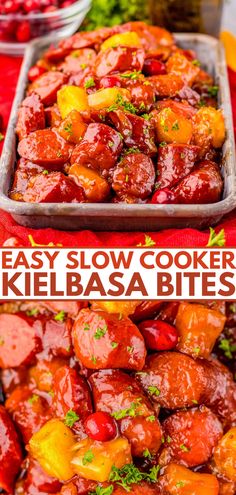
x=72, y=98
x=225, y=455
x=52, y=446
x=107, y=97
x=130, y=38
x=73, y=128
x=94, y=460
x=172, y=127
x=208, y=124
x=124, y=308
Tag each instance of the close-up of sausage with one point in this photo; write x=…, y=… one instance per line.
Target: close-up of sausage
x=101, y=96
x=117, y=397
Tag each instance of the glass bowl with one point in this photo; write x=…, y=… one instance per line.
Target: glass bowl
x=36, y=25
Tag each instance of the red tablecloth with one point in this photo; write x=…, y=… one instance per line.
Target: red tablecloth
x=9, y=69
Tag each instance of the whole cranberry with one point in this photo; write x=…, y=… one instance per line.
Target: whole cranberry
x=153, y=67
x=11, y=7
x=158, y=335
x=163, y=197
x=50, y=8
x=31, y=6
x=23, y=32
x=110, y=82
x=101, y=426
x=66, y=4
x=8, y=29
x=47, y=3
x=35, y=72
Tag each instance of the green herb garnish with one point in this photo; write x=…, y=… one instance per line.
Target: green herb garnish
x=154, y=391
x=60, y=316
x=90, y=83
x=88, y=457
x=216, y=239
x=70, y=418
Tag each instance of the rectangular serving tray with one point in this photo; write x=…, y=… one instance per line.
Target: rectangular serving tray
x=124, y=217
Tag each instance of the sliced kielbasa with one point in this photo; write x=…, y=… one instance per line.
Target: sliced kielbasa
x=37, y=481
x=119, y=59
x=53, y=188
x=191, y=436
x=134, y=175
x=31, y=116
x=203, y=185
x=119, y=394
x=45, y=147
x=20, y=338
x=77, y=60
x=166, y=85
x=173, y=380
x=28, y=410
x=103, y=340
x=175, y=161
x=57, y=337
x=25, y=170
x=220, y=391
x=71, y=392
x=10, y=452
x=136, y=131
x=47, y=85
x=99, y=148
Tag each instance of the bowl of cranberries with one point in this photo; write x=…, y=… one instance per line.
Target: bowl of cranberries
x=23, y=20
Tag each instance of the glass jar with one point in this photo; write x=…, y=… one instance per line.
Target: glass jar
x=202, y=16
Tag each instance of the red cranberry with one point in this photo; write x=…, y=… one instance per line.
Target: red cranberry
x=163, y=197
x=35, y=72
x=47, y=3
x=110, y=82
x=50, y=8
x=23, y=32
x=158, y=335
x=31, y=5
x=8, y=29
x=11, y=7
x=66, y=4
x=153, y=67
x=101, y=426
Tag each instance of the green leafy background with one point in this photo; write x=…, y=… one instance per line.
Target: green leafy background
x=111, y=12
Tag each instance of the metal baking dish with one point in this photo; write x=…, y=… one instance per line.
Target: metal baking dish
x=125, y=217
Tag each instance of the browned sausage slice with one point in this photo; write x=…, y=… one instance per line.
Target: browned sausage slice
x=10, y=452
x=175, y=161
x=71, y=392
x=53, y=188
x=173, y=380
x=31, y=116
x=135, y=176
x=119, y=394
x=203, y=185
x=47, y=85
x=119, y=59
x=190, y=436
x=105, y=340
x=19, y=340
x=45, y=147
x=99, y=149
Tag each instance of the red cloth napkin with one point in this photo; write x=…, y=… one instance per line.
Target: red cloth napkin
x=9, y=69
